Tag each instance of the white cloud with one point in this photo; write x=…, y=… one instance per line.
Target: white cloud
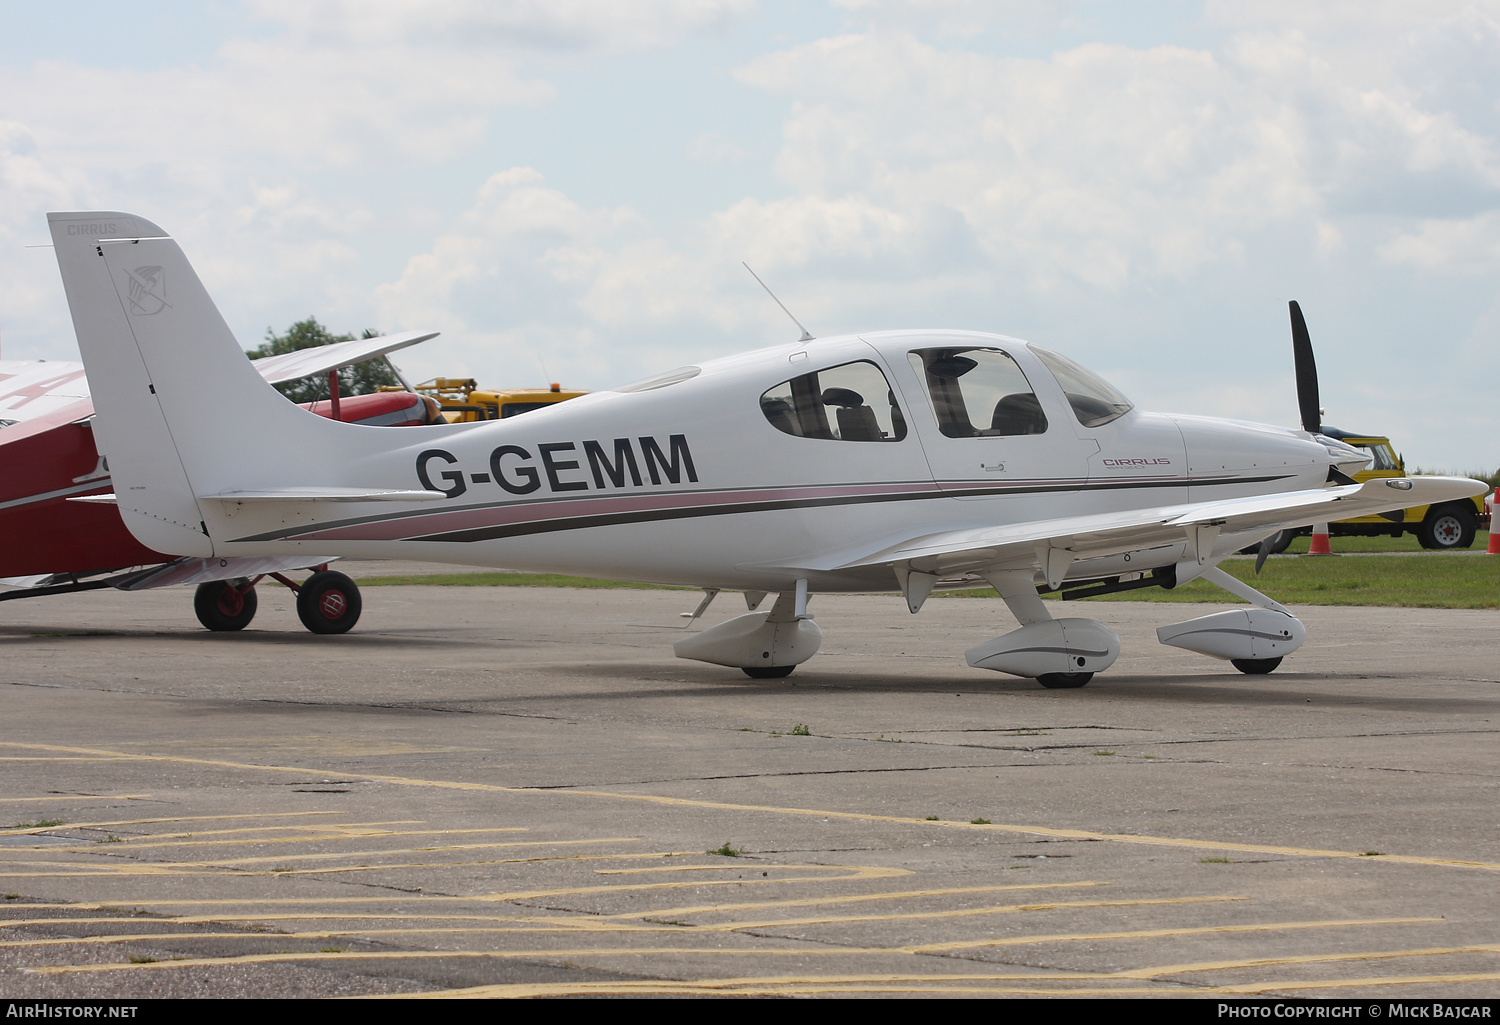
x=1464, y=247
x=1107, y=163
x=601, y=26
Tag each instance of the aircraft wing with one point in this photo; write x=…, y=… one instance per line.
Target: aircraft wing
x=289, y=366
x=33, y=387
x=1115, y=533
x=30, y=388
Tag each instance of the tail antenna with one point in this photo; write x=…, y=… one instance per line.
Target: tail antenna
x=806, y=335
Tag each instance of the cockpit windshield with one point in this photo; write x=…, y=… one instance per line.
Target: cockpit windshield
x=1095, y=401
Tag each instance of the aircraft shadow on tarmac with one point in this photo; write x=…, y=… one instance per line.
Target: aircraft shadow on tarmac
x=1290, y=690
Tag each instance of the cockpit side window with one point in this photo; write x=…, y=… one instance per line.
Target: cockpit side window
x=1094, y=400
x=978, y=393
x=852, y=402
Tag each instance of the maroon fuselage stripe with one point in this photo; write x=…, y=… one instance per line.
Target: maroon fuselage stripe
x=491, y=521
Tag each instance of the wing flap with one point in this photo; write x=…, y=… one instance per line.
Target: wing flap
x=1114, y=533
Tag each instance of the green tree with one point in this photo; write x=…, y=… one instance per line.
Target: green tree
x=359, y=379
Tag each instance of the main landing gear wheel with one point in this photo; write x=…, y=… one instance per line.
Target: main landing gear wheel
x=328, y=603
x=1064, y=681
x=223, y=605
x=767, y=672
x=1447, y=527
x=1255, y=666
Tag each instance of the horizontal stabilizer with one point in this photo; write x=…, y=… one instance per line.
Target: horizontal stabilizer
x=201, y=571
x=108, y=499
x=289, y=366
x=322, y=494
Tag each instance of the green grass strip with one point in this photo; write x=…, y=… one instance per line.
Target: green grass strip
x=1381, y=543
x=1432, y=581
x=1436, y=580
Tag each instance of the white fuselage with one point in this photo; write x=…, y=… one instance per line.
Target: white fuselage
x=691, y=483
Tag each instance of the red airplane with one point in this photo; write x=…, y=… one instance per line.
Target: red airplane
x=65, y=533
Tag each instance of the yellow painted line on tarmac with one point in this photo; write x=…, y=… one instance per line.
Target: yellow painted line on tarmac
x=1393, y=980
x=703, y=909
x=554, y=924
x=341, y=869
x=915, y=983
x=856, y=873
x=850, y=873
x=518, y=991
x=995, y=909
x=329, y=855
x=322, y=934
x=507, y=955
x=79, y=797
x=730, y=866
x=1152, y=934
x=1061, y=834
x=542, y=923
x=1302, y=959
x=151, y=842
x=64, y=758
x=178, y=818
x=684, y=802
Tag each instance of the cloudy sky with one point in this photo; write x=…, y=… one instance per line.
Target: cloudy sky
x=572, y=184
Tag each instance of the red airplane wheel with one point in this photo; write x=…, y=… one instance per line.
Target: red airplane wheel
x=328, y=603
x=222, y=605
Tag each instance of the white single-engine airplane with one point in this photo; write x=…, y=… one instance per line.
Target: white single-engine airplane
x=915, y=459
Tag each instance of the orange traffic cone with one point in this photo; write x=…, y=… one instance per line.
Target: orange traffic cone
x=1494, y=548
x=1319, y=543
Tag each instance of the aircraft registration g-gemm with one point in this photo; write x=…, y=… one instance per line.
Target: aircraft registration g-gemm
x=907, y=459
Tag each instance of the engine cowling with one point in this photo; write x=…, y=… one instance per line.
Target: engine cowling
x=1054, y=646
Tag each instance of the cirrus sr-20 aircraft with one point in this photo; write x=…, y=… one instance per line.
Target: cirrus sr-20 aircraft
x=902, y=460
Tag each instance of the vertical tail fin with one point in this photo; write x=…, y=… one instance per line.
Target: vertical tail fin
x=181, y=411
x=152, y=487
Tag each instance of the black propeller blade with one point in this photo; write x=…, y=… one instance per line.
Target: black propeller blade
x=1307, y=373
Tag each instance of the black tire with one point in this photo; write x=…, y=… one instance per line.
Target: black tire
x=1064, y=681
x=767, y=672
x=221, y=606
x=1256, y=666
x=328, y=603
x=1447, y=527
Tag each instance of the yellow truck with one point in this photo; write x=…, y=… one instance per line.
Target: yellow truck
x=1451, y=525
x=463, y=401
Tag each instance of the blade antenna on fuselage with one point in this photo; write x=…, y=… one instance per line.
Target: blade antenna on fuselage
x=1307, y=373
x=806, y=335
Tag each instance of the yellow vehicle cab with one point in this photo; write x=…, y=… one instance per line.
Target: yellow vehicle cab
x=1451, y=525
x=463, y=401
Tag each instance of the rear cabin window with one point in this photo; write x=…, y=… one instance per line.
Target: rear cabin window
x=978, y=393
x=852, y=402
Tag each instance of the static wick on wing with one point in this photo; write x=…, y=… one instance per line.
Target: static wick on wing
x=806, y=335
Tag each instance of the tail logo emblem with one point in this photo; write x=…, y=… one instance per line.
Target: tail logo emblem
x=148, y=291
